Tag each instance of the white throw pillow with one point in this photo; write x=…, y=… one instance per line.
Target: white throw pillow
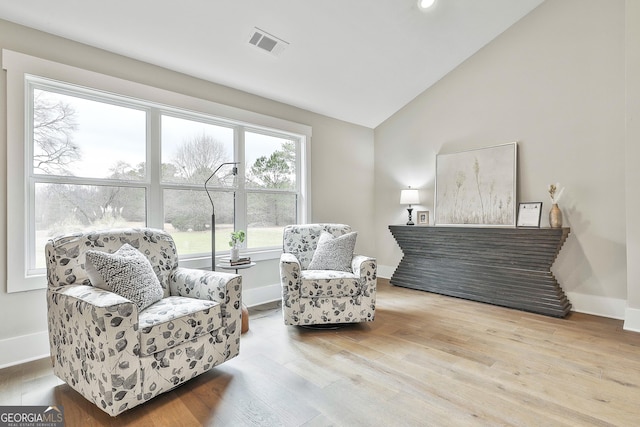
x=126, y=272
x=334, y=253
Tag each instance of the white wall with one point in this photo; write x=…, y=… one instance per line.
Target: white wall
x=632, y=318
x=341, y=157
x=554, y=82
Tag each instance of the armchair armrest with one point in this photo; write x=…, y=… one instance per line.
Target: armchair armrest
x=289, y=258
x=93, y=335
x=290, y=269
x=367, y=268
x=361, y=265
x=290, y=279
x=225, y=288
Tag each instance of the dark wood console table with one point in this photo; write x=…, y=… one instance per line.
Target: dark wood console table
x=508, y=266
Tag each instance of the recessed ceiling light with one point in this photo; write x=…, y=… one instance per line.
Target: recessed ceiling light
x=426, y=4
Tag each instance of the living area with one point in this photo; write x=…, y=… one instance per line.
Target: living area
x=562, y=81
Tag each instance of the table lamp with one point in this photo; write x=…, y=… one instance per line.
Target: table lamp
x=408, y=197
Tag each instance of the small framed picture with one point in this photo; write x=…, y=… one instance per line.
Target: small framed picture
x=423, y=217
x=529, y=214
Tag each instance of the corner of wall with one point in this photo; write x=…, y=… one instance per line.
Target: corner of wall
x=632, y=320
x=385, y=271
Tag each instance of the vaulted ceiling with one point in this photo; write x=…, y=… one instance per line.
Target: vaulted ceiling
x=355, y=60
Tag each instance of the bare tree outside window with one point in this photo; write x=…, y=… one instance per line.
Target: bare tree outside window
x=198, y=156
x=54, y=123
x=191, y=151
x=71, y=136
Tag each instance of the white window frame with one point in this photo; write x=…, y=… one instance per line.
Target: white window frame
x=19, y=67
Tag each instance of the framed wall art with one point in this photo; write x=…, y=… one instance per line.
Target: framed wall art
x=477, y=187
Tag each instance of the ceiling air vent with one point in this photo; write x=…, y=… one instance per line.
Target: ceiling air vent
x=267, y=42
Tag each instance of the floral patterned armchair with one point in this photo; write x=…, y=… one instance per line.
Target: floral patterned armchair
x=118, y=356
x=323, y=297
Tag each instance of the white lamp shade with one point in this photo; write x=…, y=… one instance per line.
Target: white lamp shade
x=409, y=197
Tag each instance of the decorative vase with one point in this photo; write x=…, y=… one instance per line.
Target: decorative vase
x=555, y=216
x=235, y=254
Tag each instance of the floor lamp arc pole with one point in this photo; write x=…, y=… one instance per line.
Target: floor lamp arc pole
x=213, y=211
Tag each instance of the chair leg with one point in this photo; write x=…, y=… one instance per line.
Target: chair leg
x=245, y=319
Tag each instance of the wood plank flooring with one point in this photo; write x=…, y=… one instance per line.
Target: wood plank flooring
x=427, y=360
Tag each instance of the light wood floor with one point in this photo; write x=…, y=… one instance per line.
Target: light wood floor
x=427, y=360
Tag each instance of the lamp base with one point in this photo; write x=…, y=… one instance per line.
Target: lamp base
x=410, y=222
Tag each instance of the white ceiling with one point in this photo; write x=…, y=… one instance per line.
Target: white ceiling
x=355, y=60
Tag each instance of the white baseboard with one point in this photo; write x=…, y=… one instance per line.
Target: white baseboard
x=632, y=319
x=24, y=348
x=261, y=295
x=598, y=306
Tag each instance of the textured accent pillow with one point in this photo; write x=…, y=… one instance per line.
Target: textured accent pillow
x=334, y=253
x=126, y=272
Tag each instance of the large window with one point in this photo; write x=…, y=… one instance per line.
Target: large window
x=87, y=166
x=271, y=183
x=192, y=149
x=90, y=170
x=95, y=158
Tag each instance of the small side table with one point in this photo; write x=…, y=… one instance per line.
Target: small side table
x=245, y=311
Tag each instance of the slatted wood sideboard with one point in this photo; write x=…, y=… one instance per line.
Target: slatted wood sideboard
x=505, y=266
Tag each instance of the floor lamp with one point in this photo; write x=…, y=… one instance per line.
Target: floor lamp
x=234, y=172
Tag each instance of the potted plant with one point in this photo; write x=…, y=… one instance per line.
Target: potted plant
x=237, y=237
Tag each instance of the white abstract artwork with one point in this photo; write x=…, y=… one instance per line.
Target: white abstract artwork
x=477, y=187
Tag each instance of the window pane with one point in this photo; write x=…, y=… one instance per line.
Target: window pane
x=267, y=216
x=74, y=136
x=187, y=216
x=65, y=208
x=271, y=161
x=192, y=150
